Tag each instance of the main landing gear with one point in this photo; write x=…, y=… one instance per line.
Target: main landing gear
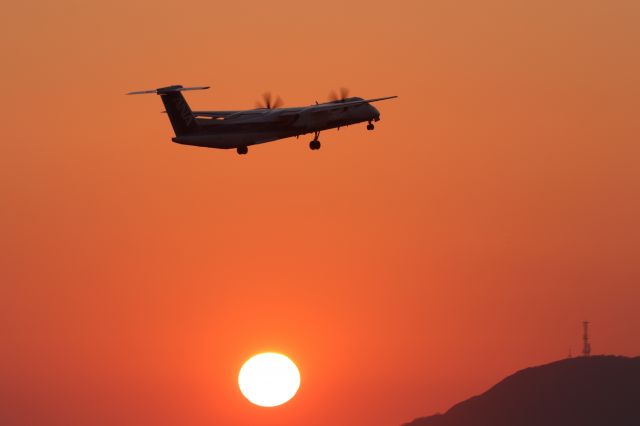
x=370, y=126
x=315, y=143
x=242, y=150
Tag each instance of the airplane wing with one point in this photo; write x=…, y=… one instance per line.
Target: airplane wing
x=340, y=105
x=214, y=114
x=251, y=115
x=315, y=108
x=368, y=101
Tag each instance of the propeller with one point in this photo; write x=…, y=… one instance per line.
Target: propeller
x=340, y=95
x=269, y=102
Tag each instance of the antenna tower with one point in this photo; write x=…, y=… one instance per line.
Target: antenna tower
x=586, y=348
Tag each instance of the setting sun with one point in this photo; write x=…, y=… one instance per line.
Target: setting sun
x=269, y=379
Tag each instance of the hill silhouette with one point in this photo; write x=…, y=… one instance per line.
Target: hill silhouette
x=585, y=391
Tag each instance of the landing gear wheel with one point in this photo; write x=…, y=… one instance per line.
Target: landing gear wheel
x=314, y=144
x=370, y=126
x=242, y=150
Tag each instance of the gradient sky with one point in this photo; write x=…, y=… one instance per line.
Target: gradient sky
x=493, y=209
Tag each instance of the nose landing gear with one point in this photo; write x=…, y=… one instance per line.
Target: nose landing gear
x=242, y=150
x=315, y=143
x=370, y=126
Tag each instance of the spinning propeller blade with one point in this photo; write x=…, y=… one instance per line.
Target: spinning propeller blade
x=339, y=95
x=268, y=102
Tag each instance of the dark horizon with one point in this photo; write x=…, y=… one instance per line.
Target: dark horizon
x=586, y=391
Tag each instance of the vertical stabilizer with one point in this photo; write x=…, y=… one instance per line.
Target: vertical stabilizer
x=180, y=114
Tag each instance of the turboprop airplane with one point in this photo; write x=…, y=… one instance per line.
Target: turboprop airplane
x=268, y=122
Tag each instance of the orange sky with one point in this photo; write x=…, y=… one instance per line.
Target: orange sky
x=494, y=207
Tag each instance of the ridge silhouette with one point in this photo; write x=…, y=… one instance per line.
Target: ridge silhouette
x=585, y=391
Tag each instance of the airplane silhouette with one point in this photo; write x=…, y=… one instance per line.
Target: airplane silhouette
x=268, y=122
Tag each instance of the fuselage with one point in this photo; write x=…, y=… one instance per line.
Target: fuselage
x=251, y=127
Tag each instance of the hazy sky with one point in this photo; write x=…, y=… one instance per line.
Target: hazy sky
x=493, y=209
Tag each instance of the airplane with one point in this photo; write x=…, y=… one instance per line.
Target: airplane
x=268, y=122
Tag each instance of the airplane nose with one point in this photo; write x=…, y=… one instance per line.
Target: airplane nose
x=375, y=113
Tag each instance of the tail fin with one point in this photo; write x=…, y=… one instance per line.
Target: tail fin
x=182, y=119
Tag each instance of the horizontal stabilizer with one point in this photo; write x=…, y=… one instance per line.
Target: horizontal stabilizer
x=168, y=89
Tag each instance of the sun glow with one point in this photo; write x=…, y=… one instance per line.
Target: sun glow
x=269, y=379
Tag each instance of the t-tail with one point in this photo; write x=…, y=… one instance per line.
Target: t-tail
x=181, y=116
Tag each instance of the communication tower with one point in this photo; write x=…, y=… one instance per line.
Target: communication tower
x=586, y=348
